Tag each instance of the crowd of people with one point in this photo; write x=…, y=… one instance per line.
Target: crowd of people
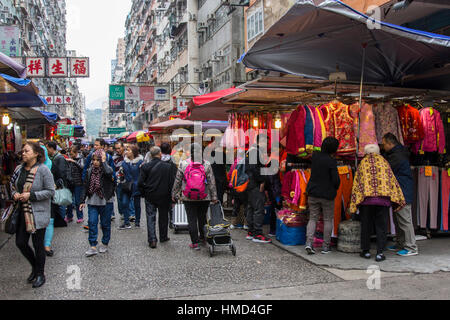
x=100, y=174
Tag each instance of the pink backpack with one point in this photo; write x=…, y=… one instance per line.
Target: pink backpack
x=195, y=178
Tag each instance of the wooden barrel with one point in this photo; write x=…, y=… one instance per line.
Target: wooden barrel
x=349, y=237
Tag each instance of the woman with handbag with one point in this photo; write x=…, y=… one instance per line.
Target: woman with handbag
x=131, y=170
x=33, y=187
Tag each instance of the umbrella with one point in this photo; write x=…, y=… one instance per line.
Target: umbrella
x=12, y=68
x=139, y=136
x=16, y=92
x=177, y=123
x=123, y=135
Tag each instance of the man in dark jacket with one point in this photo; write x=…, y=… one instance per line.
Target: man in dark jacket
x=155, y=184
x=398, y=158
x=255, y=191
x=322, y=189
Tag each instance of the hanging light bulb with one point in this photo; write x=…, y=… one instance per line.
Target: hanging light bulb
x=255, y=121
x=6, y=120
x=278, y=122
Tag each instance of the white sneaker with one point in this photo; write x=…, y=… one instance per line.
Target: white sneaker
x=103, y=249
x=246, y=227
x=91, y=252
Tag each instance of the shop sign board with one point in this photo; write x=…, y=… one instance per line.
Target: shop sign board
x=35, y=67
x=57, y=67
x=116, y=130
x=59, y=100
x=162, y=94
x=79, y=67
x=132, y=93
x=116, y=106
x=9, y=41
x=116, y=92
x=65, y=130
x=182, y=104
x=147, y=93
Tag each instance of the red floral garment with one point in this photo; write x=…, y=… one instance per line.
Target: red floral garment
x=412, y=128
x=339, y=124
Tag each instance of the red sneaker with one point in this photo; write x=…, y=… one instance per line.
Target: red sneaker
x=262, y=239
x=249, y=236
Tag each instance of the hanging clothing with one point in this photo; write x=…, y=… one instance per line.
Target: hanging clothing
x=367, y=133
x=374, y=178
x=445, y=197
x=412, y=128
x=309, y=130
x=387, y=121
x=428, y=192
x=296, y=131
x=434, y=136
x=320, y=132
x=343, y=196
x=339, y=124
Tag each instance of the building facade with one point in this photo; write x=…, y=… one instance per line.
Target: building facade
x=42, y=27
x=190, y=45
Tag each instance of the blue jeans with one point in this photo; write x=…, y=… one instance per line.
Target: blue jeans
x=132, y=209
x=75, y=203
x=49, y=234
x=110, y=209
x=105, y=221
x=126, y=204
x=119, y=194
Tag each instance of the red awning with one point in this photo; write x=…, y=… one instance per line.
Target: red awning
x=210, y=106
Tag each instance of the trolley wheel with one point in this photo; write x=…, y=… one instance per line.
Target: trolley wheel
x=211, y=251
x=233, y=249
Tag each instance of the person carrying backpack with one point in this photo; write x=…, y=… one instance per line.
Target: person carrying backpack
x=195, y=181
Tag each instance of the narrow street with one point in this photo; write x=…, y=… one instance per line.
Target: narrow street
x=133, y=271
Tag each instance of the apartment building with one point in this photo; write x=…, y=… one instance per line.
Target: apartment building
x=42, y=25
x=191, y=45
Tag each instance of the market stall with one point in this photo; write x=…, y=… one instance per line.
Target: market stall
x=354, y=84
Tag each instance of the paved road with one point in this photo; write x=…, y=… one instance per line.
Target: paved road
x=131, y=270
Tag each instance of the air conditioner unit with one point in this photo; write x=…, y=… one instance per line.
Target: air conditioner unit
x=197, y=70
x=192, y=17
x=182, y=70
x=211, y=17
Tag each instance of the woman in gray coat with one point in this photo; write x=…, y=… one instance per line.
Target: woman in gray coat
x=33, y=188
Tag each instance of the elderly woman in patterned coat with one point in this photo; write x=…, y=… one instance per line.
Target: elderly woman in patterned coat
x=375, y=190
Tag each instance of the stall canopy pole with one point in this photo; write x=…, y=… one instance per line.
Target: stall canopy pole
x=360, y=102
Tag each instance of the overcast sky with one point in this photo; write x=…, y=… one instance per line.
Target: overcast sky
x=93, y=28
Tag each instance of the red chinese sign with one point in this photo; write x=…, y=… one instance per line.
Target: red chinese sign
x=79, y=67
x=57, y=67
x=35, y=67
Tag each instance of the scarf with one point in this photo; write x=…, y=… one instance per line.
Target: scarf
x=95, y=186
x=26, y=206
x=374, y=178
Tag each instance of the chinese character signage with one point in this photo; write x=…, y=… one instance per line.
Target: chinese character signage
x=9, y=41
x=182, y=104
x=65, y=130
x=116, y=92
x=57, y=67
x=59, y=99
x=116, y=106
x=79, y=67
x=35, y=67
x=64, y=67
x=116, y=130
